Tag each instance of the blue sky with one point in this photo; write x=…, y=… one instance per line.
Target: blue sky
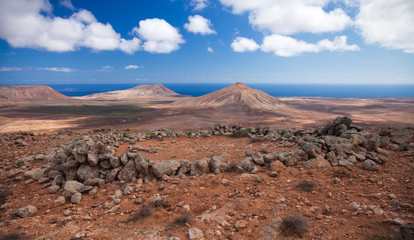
x=217, y=41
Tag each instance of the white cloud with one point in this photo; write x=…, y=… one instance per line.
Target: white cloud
x=158, y=36
x=11, y=69
x=287, y=47
x=67, y=4
x=198, y=24
x=131, y=67
x=210, y=50
x=130, y=46
x=241, y=44
x=57, y=69
x=387, y=23
x=338, y=44
x=24, y=24
x=288, y=17
x=198, y=5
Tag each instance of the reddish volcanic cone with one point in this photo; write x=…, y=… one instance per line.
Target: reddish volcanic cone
x=236, y=95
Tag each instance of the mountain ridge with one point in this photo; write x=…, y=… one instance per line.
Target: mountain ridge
x=140, y=91
x=31, y=92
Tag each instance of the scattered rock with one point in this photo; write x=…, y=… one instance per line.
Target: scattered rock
x=76, y=198
x=277, y=166
x=114, y=209
x=71, y=187
x=168, y=168
x=195, y=233
x=215, y=164
x=199, y=167
x=28, y=211
x=249, y=166
x=257, y=158
x=401, y=138
x=378, y=211
x=128, y=189
x=86, y=172
x=370, y=165
x=241, y=224
x=398, y=221
x=36, y=174
x=128, y=172
x=354, y=206
x=60, y=201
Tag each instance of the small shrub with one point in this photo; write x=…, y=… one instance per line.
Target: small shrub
x=4, y=192
x=144, y=212
x=124, y=134
x=248, y=129
x=306, y=186
x=13, y=236
x=295, y=225
x=340, y=174
x=188, y=133
x=17, y=180
x=183, y=220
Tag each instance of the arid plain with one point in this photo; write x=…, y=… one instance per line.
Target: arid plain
x=147, y=163
x=153, y=106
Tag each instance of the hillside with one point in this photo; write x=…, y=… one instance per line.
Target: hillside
x=31, y=92
x=238, y=95
x=336, y=181
x=141, y=91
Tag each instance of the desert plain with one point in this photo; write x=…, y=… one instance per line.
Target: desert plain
x=147, y=163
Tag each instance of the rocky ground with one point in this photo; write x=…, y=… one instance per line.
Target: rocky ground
x=338, y=181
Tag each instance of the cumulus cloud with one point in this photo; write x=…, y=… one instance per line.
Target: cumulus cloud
x=387, y=23
x=67, y=4
x=198, y=24
x=210, y=50
x=57, y=69
x=131, y=67
x=11, y=69
x=130, y=46
x=31, y=24
x=241, y=44
x=288, y=17
x=158, y=36
x=198, y=5
x=285, y=46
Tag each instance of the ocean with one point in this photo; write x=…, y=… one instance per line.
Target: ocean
x=276, y=90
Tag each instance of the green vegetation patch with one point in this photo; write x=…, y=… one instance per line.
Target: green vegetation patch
x=100, y=110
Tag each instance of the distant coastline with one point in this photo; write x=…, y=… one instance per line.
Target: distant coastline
x=276, y=90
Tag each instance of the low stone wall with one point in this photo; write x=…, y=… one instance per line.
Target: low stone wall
x=91, y=161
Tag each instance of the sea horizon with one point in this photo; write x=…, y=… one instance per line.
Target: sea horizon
x=274, y=89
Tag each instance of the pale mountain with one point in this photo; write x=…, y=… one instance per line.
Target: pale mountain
x=141, y=91
x=31, y=92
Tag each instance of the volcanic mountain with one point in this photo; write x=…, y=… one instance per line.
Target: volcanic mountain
x=31, y=92
x=236, y=95
x=140, y=91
